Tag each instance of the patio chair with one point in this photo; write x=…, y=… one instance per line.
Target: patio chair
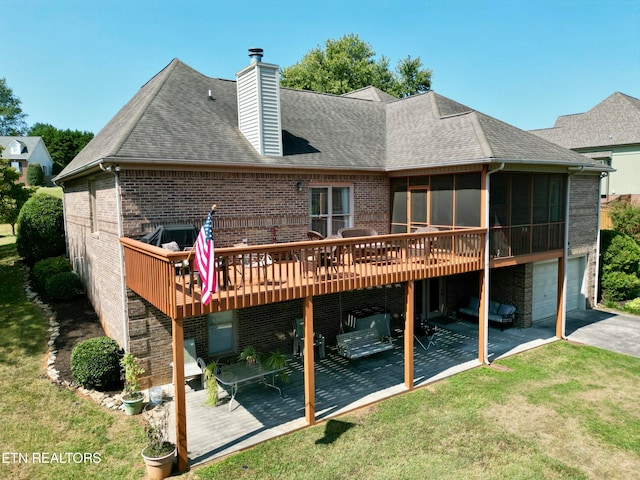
x=298, y=339
x=193, y=366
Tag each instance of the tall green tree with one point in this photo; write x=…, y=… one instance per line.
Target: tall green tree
x=11, y=115
x=13, y=195
x=348, y=63
x=63, y=145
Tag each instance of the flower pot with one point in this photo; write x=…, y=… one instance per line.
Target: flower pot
x=160, y=467
x=133, y=406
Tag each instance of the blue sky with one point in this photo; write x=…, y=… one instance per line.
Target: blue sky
x=75, y=63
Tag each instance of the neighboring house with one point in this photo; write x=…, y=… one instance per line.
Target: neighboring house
x=23, y=151
x=610, y=133
x=517, y=216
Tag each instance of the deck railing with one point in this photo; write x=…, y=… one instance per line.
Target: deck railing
x=256, y=275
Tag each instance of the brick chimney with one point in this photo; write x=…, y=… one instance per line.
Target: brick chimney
x=259, y=105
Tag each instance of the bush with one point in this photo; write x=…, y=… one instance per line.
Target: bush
x=35, y=175
x=620, y=285
x=633, y=306
x=626, y=218
x=64, y=286
x=621, y=254
x=40, y=229
x=95, y=364
x=47, y=268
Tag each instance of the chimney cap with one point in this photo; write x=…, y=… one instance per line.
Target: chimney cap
x=256, y=54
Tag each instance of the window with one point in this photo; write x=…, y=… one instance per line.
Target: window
x=16, y=148
x=221, y=332
x=330, y=208
x=17, y=166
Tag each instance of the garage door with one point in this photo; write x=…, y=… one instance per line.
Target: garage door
x=545, y=290
x=575, y=280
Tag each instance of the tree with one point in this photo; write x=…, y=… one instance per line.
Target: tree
x=626, y=218
x=347, y=64
x=63, y=145
x=12, y=194
x=35, y=175
x=11, y=115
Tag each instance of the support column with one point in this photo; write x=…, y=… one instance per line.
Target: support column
x=408, y=333
x=177, y=333
x=483, y=321
x=309, y=375
x=560, y=313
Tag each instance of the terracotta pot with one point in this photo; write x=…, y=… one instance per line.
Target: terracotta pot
x=159, y=468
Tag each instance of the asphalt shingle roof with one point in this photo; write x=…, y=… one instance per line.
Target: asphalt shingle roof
x=614, y=121
x=172, y=120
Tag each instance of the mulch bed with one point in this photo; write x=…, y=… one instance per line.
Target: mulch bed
x=78, y=322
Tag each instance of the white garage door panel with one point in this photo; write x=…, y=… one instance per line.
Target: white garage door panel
x=545, y=290
x=575, y=277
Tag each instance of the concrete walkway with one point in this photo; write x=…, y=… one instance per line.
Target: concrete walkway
x=259, y=413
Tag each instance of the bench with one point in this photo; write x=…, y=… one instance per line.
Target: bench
x=499, y=313
x=361, y=343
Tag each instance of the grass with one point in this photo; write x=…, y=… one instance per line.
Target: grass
x=40, y=421
x=561, y=411
x=53, y=191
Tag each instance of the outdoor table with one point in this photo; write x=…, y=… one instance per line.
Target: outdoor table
x=235, y=374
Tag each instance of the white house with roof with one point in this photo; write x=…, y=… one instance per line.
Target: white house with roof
x=610, y=133
x=23, y=151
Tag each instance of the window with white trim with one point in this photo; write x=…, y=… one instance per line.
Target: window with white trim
x=330, y=208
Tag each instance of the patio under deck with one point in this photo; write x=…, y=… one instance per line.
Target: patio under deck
x=258, y=413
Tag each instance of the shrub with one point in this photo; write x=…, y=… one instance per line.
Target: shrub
x=64, y=286
x=35, y=175
x=40, y=229
x=47, y=268
x=619, y=285
x=621, y=254
x=626, y=218
x=633, y=306
x=95, y=363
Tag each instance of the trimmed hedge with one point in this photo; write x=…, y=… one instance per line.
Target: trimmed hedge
x=619, y=286
x=47, y=268
x=64, y=286
x=95, y=364
x=40, y=229
x=35, y=175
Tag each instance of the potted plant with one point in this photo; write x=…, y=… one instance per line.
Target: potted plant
x=132, y=397
x=210, y=373
x=278, y=361
x=159, y=453
x=250, y=355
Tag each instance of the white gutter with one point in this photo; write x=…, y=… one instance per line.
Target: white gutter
x=596, y=273
x=485, y=326
x=115, y=169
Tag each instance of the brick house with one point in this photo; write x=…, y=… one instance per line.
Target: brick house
x=24, y=151
x=517, y=216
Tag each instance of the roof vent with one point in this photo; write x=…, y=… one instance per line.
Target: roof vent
x=255, y=54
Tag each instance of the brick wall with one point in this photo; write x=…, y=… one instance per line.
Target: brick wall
x=583, y=226
x=249, y=204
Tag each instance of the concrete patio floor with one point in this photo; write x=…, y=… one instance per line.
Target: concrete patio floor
x=258, y=413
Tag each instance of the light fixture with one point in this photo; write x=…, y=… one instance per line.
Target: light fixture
x=299, y=186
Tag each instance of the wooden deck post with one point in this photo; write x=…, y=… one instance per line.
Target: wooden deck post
x=179, y=393
x=561, y=299
x=483, y=321
x=483, y=325
x=408, y=333
x=309, y=376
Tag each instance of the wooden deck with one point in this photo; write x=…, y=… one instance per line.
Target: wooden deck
x=257, y=275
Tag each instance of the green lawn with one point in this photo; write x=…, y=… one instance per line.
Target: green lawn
x=562, y=411
x=41, y=423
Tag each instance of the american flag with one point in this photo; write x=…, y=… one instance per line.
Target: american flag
x=205, y=261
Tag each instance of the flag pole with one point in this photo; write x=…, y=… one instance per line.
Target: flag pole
x=214, y=207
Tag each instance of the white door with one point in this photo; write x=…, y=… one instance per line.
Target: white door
x=545, y=290
x=575, y=281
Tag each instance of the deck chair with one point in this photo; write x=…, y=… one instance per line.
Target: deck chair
x=298, y=339
x=193, y=366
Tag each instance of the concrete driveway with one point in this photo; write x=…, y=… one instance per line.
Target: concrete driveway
x=619, y=332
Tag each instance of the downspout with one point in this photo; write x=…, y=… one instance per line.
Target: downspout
x=563, y=317
x=485, y=326
x=115, y=169
x=596, y=273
